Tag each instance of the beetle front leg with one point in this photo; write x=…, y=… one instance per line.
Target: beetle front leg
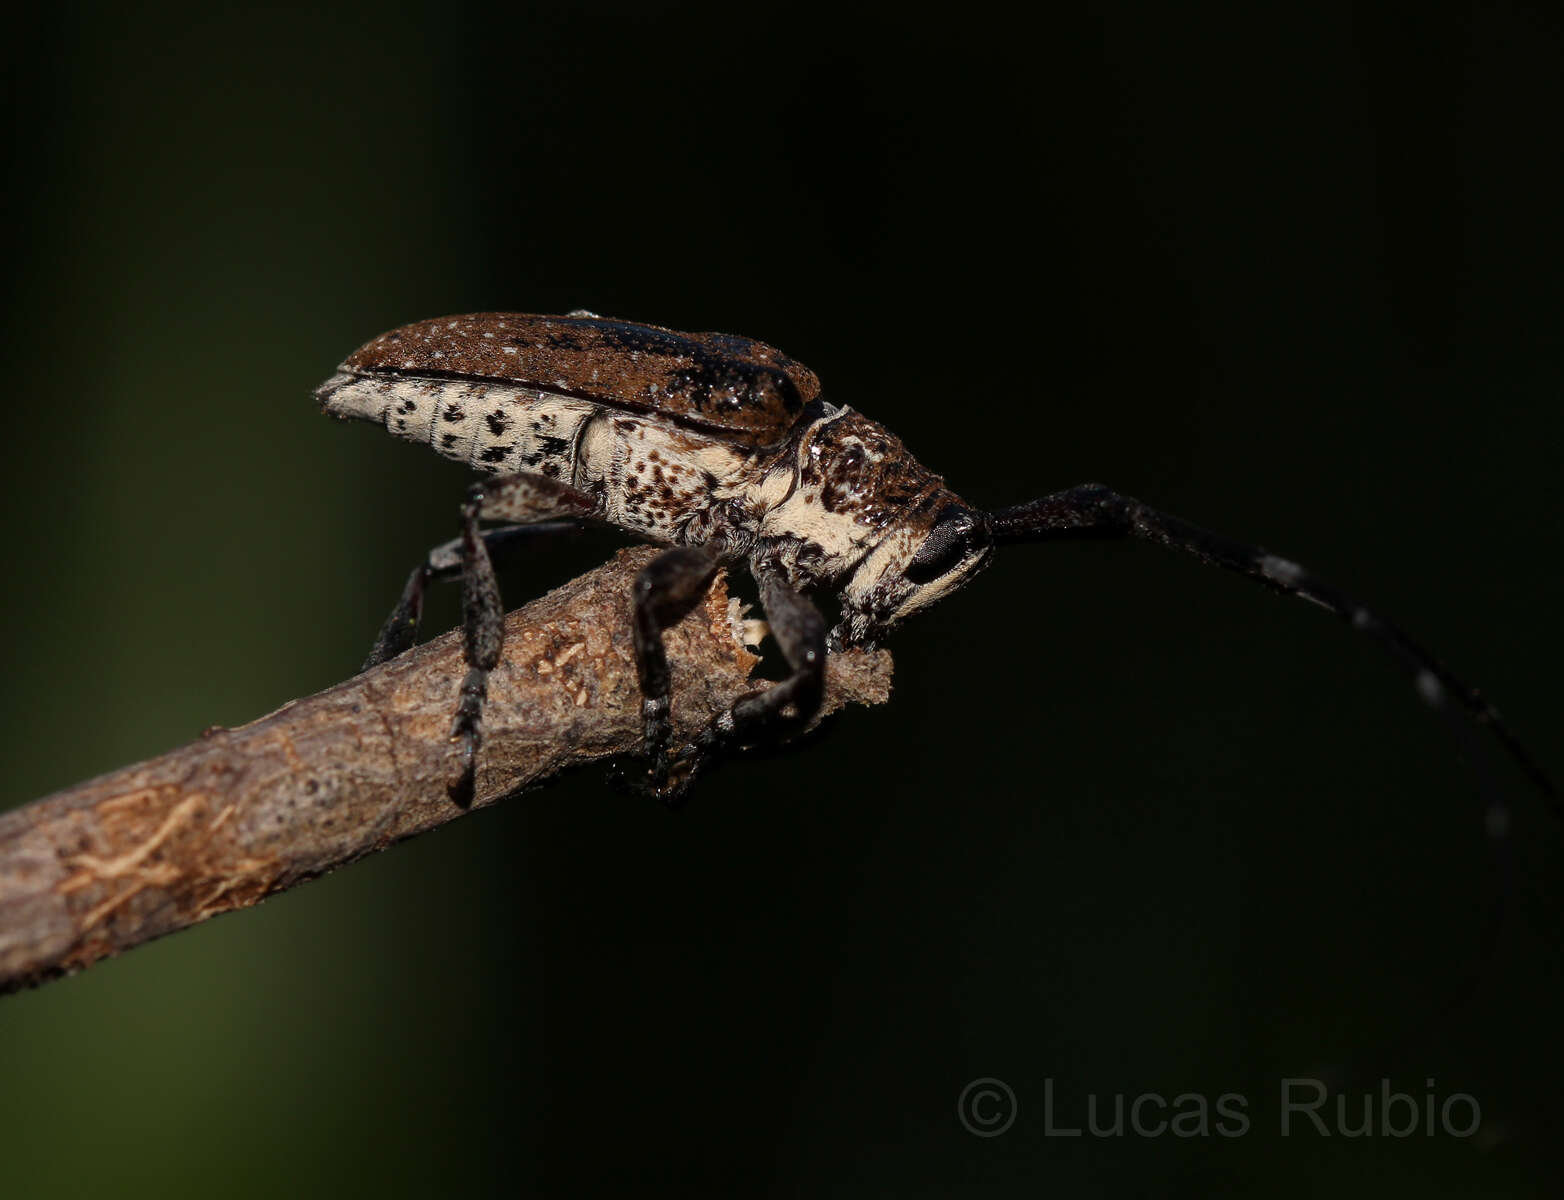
x=767, y=716
x=519, y=497
x=666, y=589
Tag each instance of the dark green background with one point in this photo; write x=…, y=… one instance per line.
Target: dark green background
x=1129, y=825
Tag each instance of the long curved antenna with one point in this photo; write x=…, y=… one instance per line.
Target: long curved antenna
x=1094, y=511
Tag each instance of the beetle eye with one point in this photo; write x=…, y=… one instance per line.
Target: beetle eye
x=945, y=549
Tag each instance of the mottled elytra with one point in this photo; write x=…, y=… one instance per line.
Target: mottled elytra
x=738, y=389
x=724, y=450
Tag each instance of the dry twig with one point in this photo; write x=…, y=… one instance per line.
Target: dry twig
x=242, y=813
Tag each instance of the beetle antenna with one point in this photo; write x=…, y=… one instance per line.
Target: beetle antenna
x=1094, y=511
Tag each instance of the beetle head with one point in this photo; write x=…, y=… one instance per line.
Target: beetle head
x=930, y=553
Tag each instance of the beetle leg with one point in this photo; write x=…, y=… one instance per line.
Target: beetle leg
x=766, y=716
x=400, y=630
x=518, y=497
x=666, y=589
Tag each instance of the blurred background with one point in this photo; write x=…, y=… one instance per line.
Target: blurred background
x=1129, y=825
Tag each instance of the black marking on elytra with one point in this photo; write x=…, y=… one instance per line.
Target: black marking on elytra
x=495, y=454
x=455, y=413
x=497, y=422
x=722, y=376
x=714, y=386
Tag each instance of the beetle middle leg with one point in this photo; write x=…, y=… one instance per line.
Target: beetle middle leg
x=531, y=500
x=666, y=590
x=519, y=497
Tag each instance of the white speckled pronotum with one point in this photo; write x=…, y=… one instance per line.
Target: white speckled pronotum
x=724, y=449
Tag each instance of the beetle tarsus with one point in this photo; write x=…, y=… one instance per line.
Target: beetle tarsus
x=467, y=732
x=658, y=726
x=683, y=768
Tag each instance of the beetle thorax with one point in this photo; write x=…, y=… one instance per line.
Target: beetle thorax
x=842, y=485
x=671, y=484
x=850, y=509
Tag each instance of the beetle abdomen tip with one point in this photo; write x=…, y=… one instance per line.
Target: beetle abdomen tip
x=325, y=394
x=350, y=397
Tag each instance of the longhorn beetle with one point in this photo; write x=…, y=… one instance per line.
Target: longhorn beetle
x=723, y=449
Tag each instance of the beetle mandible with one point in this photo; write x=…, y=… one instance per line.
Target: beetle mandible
x=723, y=449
